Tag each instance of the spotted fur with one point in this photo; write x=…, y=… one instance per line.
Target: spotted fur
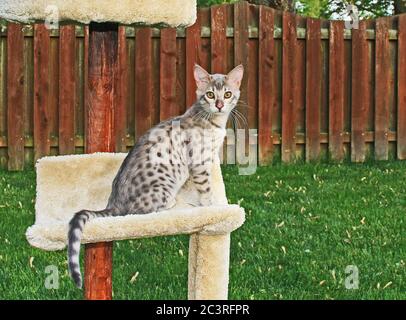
x=167, y=156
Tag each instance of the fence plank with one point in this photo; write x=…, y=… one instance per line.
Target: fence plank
x=241, y=46
x=219, y=49
x=313, y=88
x=392, y=22
x=324, y=115
x=41, y=91
x=143, y=81
x=204, y=54
x=121, y=93
x=193, y=47
x=359, y=96
x=85, y=80
x=382, y=89
x=181, y=75
x=53, y=97
x=67, y=89
x=300, y=90
x=252, y=93
x=218, y=39
x=15, y=101
x=401, y=125
x=288, y=83
x=336, y=90
x=80, y=92
x=29, y=98
x=241, y=38
x=168, y=106
x=267, y=86
x=3, y=99
x=156, y=53
x=228, y=155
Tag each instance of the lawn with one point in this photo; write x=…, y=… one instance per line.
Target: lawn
x=305, y=223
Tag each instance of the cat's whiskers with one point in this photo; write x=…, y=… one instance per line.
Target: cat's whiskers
x=209, y=117
x=242, y=116
x=199, y=115
x=238, y=115
x=235, y=121
x=203, y=116
x=243, y=104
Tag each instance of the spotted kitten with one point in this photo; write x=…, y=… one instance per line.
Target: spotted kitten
x=167, y=156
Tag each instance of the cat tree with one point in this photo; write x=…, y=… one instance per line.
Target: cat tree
x=63, y=183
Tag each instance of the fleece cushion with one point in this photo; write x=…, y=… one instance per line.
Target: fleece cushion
x=67, y=184
x=149, y=12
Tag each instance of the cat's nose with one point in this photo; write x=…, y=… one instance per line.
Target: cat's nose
x=219, y=104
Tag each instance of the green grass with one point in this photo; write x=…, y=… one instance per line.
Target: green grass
x=304, y=225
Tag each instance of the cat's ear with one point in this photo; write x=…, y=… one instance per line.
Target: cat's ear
x=202, y=77
x=234, y=77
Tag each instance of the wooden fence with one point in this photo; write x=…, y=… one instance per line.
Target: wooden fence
x=313, y=88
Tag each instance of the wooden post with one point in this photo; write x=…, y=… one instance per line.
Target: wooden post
x=98, y=271
x=102, y=64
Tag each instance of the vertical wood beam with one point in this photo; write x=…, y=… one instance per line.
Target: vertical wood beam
x=102, y=64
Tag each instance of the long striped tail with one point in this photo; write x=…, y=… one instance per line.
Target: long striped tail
x=76, y=226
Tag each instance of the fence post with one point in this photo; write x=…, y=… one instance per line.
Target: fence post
x=102, y=63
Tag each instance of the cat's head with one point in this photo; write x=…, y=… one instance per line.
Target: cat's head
x=218, y=93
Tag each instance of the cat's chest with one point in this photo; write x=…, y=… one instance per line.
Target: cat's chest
x=218, y=136
x=207, y=139
x=214, y=137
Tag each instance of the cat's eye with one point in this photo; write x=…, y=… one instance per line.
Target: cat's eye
x=227, y=95
x=210, y=95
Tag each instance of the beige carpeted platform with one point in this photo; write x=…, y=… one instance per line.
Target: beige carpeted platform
x=149, y=12
x=67, y=184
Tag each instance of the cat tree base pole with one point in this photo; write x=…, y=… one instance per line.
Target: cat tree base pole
x=209, y=259
x=102, y=62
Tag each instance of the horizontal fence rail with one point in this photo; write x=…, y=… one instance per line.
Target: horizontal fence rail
x=312, y=89
x=205, y=32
